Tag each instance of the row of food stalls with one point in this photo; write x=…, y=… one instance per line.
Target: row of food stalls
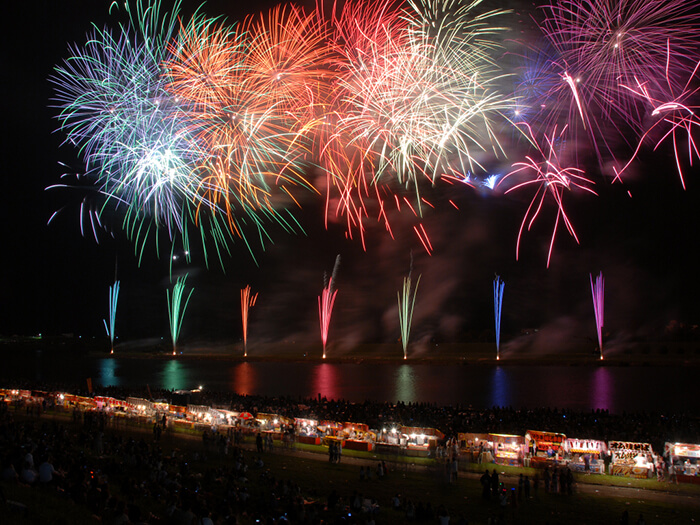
x=540, y=449
x=537, y=449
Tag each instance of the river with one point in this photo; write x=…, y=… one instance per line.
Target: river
x=584, y=387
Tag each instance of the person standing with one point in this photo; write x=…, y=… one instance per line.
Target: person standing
x=625, y=518
x=521, y=487
x=494, y=484
x=485, y=485
x=527, y=487
x=259, y=443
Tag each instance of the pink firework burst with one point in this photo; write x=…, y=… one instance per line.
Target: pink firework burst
x=551, y=177
x=675, y=114
x=602, y=45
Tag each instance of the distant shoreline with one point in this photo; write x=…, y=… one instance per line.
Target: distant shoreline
x=473, y=354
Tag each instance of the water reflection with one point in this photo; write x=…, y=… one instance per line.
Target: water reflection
x=614, y=388
x=108, y=372
x=603, y=391
x=500, y=388
x=174, y=376
x=244, y=379
x=325, y=381
x=405, y=381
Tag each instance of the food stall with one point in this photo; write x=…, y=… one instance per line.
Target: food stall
x=420, y=441
x=111, y=404
x=545, y=448
x=307, y=431
x=328, y=432
x=272, y=424
x=77, y=402
x=585, y=455
x=476, y=447
x=508, y=449
x=388, y=440
x=141, y=407
x=357, y=436
x=686, y=460
x=229, y=417
x=635, y=460
x=329, y=428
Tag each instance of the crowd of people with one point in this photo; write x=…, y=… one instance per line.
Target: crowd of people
x=121, y=480
x=112, y=475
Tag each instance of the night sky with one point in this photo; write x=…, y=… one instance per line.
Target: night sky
x=54, y=281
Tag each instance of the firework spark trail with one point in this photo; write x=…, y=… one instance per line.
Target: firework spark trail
x=325, y=304
x=406, y=300
x=602, y=45
x=110, y=325
x=498, y=287
x=325, y=309
x=247, y=302
x=176, y=309
x=546, y=171
x=598, y=293
x=675, y=112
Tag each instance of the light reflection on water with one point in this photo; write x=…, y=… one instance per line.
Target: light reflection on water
x=325, y=381
x=616, y=388
x=603, y=390
x=406, y=384
x=108, y=372
x=244, y=379
x=500, y=388
x=175, y=375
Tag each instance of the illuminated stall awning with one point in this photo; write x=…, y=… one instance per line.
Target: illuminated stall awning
x=546, y=440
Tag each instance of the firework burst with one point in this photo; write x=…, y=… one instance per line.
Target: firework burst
x=602, y=45
x=547, y=171
x=410, y=100
x=675, y=114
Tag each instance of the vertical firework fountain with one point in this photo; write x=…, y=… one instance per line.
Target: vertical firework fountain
x=407, y=301
x=498, y=286
x=109, y=326
x=247, y=302
x=176, y=309
x=598, y=292
x=325, y=305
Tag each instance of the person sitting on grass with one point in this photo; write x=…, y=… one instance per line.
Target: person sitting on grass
x=28, y=476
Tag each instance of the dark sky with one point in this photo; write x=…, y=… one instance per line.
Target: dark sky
x=54, y=281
